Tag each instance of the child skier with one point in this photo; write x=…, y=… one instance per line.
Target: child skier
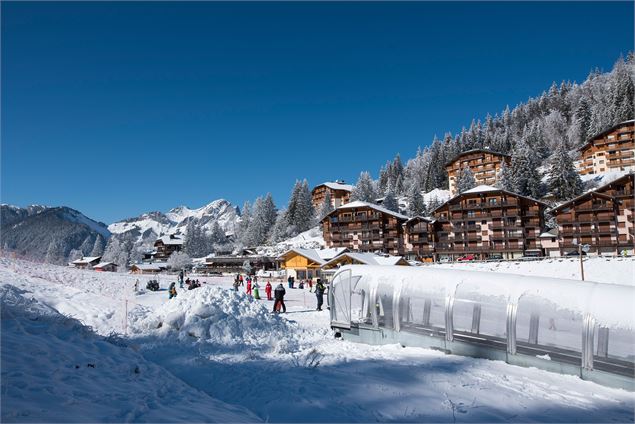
x=268, y=291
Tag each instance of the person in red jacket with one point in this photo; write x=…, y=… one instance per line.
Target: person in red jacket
x=268, y=291
x=249, y=286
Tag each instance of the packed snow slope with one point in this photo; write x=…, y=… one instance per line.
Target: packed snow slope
x=602, y=270
x=54, y=369
x=227, y=347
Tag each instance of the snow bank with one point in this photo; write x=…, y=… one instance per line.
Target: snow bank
x=218, y=316
x=54, y=369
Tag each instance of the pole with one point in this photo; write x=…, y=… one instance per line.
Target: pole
x=125, y=320
x=581, y=263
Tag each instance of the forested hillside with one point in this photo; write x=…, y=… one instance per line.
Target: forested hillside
x=540, y=135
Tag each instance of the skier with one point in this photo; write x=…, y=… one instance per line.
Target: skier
x=240, y=277
x=172, y=290
x=181, y=279
x=136, y=285
x=310, y=285
x=255, y=286
x=248, y=290
x=279, y=293
x=290, y=282
x=268, y=291
x=319, y=293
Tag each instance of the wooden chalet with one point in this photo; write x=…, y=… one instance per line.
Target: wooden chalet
x=153, y=268
x=306, y=263
x=166, y=245
x=340, y=194
x=611, y=150
x=105, y=267
x=236, y=264
x=622, y=189
x=365, y=227
x=364, y=258
x=487, y=222
x=485, y=166
x=86, y=262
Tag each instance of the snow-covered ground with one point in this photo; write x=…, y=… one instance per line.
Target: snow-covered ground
x=215, y=355
x=600, y=269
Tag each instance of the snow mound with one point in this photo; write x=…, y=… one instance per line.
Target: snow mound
x=218, y=316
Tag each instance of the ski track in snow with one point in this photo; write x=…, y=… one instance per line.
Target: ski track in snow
x=227, y=351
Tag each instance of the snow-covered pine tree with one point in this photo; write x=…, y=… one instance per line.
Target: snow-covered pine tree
x=196, y=244
x=504, y=179
x=390, y=201
x=243, y=226
x=433, y=203
x=364, y=190
x=525, y=178
x=416, y=205
x=326, y=207
x=264, y=217
x=217, y=236
x=280, y=229
x=465, y=180
x=75, y=254
x=179, y=260
x=98, y=247
x=563, y=179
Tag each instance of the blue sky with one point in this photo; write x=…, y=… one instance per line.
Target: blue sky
x=121, y=108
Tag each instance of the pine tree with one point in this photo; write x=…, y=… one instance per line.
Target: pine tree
x=390, y=202
x=179, y=260
x=563, y=179
x=525, y=178
x=280, y=229
x=416, y=205
x=217, y=235
x=326, y=207
x=364, y=190
x=98, y=247
x=504, y=179
x=196, y=244
x=465, y=180
x=583, y=120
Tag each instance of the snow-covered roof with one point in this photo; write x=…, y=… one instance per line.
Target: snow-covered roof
x=611, y=304
x=367, y=258
x=337, y=186
x=601, y=134
x=549, y=234
x=151, y=267
x=86, y=260
x=481, y=189
x=173, y=240
x=467, y=152
x=103, y=264
x=360, y=204
x=320, y=256
x=425, y=218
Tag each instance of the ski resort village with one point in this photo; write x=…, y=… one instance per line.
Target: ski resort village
x=354, y=267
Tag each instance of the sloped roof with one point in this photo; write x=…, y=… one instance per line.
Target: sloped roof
x=173, y=240
x=366, y=259
x=481, y=189
x=485, y=189
x=320, y=256
x=360, y=204
x=467, y=152
x=151, y=267
x=86, y=260
x=336, y=186
x=583, y=196
x=424, y=218
x=103, y=264
x=603, y=133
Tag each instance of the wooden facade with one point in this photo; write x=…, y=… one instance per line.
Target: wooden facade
x=484, y=164
x=340, y=194
x=365, y=227
x=419, y=239
x=623, y=190
x=486, y=222
x=588, y=219
x=611, y=150
x=167, y=245
x=235, y=264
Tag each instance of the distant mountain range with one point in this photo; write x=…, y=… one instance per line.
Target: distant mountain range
x=60, y=234
x=51, y=234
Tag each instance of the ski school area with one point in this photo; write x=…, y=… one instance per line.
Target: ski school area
x=80, y=346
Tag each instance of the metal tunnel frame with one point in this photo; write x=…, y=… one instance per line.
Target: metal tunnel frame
x=392, y=309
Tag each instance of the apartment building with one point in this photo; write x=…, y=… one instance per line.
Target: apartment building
x=484, y=164
x=486, y=222
x=364, y=227
x=611, y=150
x=340, y=194
x=419, y=238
